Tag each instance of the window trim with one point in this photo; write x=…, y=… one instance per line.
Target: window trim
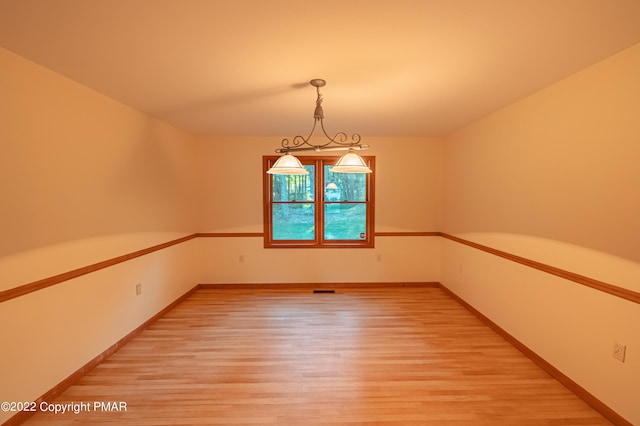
x=319, y=242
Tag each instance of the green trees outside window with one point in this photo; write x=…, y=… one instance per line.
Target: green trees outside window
x=321, y=209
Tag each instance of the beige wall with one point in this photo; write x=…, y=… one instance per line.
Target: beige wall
x=76, y=164
x=554, y=178
x=408, y=182
x=561, y=164
x=83, y=179
x=408, y=198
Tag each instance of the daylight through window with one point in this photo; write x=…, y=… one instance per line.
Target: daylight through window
x=321, y=209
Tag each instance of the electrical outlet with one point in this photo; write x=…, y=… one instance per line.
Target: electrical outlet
x=619, y=351
x=138, y=289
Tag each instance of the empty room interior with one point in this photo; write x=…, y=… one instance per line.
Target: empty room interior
x=185, y=239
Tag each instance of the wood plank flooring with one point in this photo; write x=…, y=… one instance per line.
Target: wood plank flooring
x=397, y=356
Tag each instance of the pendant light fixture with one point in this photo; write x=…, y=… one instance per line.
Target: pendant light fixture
x=287, y=165
x=351, y=163
x=348, y=163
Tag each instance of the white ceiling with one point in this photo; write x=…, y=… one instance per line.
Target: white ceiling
x=241, y=67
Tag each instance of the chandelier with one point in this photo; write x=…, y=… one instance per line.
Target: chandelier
x=350, y=162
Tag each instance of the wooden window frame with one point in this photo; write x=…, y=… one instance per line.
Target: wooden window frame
x=319, y=242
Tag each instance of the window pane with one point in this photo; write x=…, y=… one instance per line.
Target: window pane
x=345, y=221
x=293, y=187
x=344, y=186
x=340, y=215
x=293, y=221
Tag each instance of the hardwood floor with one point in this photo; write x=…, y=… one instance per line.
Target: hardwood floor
x=395, y=356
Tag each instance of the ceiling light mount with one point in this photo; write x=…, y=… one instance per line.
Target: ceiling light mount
x=318, y=82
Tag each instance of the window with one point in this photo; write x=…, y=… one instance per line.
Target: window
x=321, y=209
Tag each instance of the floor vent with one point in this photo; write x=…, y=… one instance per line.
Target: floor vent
x=324, y=291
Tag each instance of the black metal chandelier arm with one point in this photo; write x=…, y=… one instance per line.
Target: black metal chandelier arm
x=297, y=142
x=341, y=138
x=300, y=143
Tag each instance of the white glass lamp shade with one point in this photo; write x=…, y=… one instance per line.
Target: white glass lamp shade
x=287, y=165
x=351, y=163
